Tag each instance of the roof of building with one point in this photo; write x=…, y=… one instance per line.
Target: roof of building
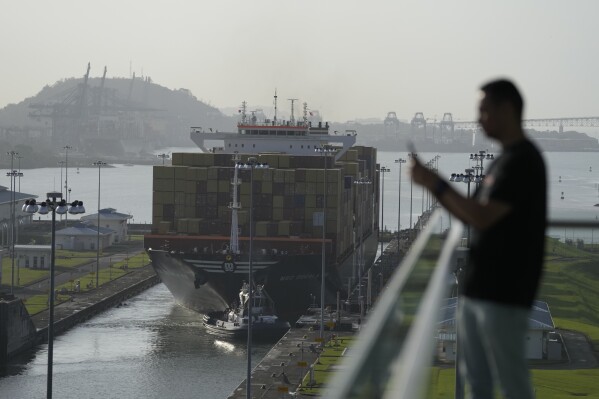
x=81, y=229
x=107, y=213
x=539, y=318
x=33, y=247
x=6, y=195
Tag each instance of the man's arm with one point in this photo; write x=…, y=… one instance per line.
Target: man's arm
x=479, y=215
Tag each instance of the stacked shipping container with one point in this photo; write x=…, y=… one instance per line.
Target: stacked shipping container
x=192, y=196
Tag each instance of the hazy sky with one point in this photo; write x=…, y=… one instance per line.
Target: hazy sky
x=347, y=59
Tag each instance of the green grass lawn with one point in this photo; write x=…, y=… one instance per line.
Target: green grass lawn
x=548, y=384
x=64, y=260
x=38, y=303
x=323, y=370
x=22, y=276
x=571, y=288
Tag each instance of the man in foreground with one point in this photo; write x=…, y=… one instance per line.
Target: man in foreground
x=508, y=217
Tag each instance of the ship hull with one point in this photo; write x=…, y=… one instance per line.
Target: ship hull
x=209, y=283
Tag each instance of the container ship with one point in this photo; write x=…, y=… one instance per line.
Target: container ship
x=298, y=179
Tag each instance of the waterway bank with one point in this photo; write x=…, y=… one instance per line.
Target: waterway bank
x=87, y=304
x=21, y=332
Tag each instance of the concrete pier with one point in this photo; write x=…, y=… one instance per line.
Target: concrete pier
x=283, y=369
x=17, y=331
x=87, y=304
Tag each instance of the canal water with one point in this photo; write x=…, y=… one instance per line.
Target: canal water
x=150, y=348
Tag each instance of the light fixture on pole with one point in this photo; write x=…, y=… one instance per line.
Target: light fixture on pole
x=13, y=175
x=54, y=204
x=411, y=155
x=61, y=164
x=325, y=150
x=467, y=177
x=383, y=171
x=19, y=168
x=163, y=156
x=361, y=182
x=66, y=177
x=99, y=164
x=251, y=165
x=399, y=161
x=12, y=226
x=479, y=159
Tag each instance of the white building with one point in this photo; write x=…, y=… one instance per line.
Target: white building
x=82, y=237
x=6, y=198
x=33, y=256
x=540, y=328
x=110, y=219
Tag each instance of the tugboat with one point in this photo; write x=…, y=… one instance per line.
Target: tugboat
x=233, y=322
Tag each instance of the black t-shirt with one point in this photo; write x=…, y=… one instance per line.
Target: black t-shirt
x=506, y=259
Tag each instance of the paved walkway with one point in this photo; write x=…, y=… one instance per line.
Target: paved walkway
x=580, y=351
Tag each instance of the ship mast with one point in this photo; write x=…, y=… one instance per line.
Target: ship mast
x=243, y=112
x=305, y=114
x=235, y=206
x=292, y=120
x=275, y=107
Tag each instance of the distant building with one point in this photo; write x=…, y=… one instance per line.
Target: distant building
x=83, y=237
x=110, y=219
x=5, y=213
x=539, y=339
x=33, y=256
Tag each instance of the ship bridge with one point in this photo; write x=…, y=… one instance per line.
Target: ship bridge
x=283, y=138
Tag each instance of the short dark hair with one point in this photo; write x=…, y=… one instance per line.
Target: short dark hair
x=502, y=90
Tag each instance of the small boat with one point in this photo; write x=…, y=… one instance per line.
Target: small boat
x=233, y=322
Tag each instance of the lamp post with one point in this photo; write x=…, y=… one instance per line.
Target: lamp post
x=467, y=177
x=251, y=165
x=383, y=171
x=54, y=204
x=12, y=154
x=13, y=175
x=325, y=150
x=21, y=175
x=66, y=177
x=399, y=161
x=163, y=156
x=361, y=182
x=479, y=158
x=411, y=155
x=99, y=164
x=61, y=164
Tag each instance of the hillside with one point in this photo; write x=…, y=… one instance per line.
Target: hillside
x=123, y=119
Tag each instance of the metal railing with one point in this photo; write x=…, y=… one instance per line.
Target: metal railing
x=391, y=346
x=394, y=351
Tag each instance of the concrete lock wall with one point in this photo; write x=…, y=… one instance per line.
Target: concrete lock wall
x=17, y=332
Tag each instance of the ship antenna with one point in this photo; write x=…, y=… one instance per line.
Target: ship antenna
x=243, y=112
x=292, y=120
x=305, y=114
x=275, y=107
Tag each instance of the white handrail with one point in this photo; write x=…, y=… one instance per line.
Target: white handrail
x=341, y=384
